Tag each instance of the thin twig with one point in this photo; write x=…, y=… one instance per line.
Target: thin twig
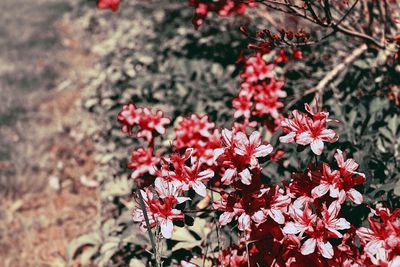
x=335, y=71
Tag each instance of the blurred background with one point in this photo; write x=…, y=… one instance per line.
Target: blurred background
x=66, y=69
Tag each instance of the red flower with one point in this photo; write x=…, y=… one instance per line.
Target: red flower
x=239, y=152
x=275, y=206
x=318, y=229
x=149, y=124
x=198, y=133
x=143, y=161
x=306, y=130
x=256, y=69
x=382, y=242
x=108, y=4
x=160, y=211
x=186, y=177
x=128, y=117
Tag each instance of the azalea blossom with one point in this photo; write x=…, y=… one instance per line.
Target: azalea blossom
x=160, y=211
x=239, y=152
x=318, y=229
x=149, y=125
x=275, y=206
x=306, y=130
x=143, y=161
x=108, y=4
x=197, y=133
x=186, y=177
x=382, y=241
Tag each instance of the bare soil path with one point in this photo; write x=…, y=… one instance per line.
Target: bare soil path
x=46, y=138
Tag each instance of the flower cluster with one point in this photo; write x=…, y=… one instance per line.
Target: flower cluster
x=149, y=125
x=308, y=130
x=297, y=224
x=198, y=133
x=382, y=241
x=108, y=4
x=260, y=94
x=221, y=7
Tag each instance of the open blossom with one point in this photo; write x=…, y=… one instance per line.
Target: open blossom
x=339, y=183
x=108, y=4
x=221, y=7
x=186, y=177
x=197, y=133
x=306, y=130
x=382, y=241
x=233, y=209
x=256, y=69
x=143, y=161
x=243, y=105
x=240, y=152
x=149, y=125
x=275, y=206
x=318, y=229
x=160, y=211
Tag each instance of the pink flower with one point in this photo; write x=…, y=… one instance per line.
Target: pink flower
x=233, y=210
x=242, y=104
x=149, y=125
x=128, y=117
x=275, y=206
x=349, y=179
x=251, y=147
x=198, y=133
x=239, y=152
x=111, y=4
x=382, y=240
x=186, y=177
x=328, y=180
x=318, y=229
x=143, y=161
x=256, y=69
x=305, y=130
x=159, y=211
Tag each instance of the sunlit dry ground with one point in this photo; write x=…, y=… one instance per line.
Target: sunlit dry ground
x=46, y=139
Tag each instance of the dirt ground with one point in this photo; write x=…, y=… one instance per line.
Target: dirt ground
x=46, y=139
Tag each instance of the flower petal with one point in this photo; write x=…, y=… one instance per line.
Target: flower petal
x=199, y=188
x=355, y=196
x=320, y=190
x=317, y=146
x=308, y=247
x=244, y=222
x=226, y=218
x=326, y=249
x=228, y=175
x=166, y=227
x=287, y=138
x=304, y=138
x=263, y=151
x=328, y=135
x=245, y=176
x=276, y=215
x=292, y=228
x=255, y=138
x=259, y=217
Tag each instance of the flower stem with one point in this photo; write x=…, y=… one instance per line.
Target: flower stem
x=146, y=218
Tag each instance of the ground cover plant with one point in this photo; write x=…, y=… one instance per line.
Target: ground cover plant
x=289, y=157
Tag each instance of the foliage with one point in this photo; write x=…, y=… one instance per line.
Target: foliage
x=182, y=71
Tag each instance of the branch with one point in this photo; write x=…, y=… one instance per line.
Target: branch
x=319, y=89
